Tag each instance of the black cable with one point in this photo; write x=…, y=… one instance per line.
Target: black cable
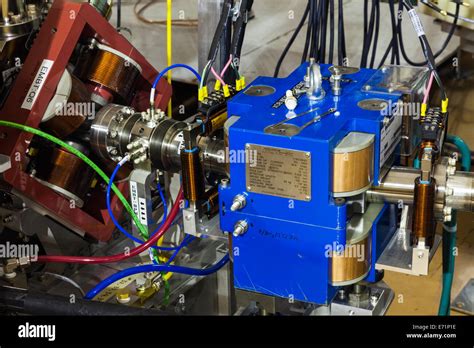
x=331, y=31
x=309, y=29
x=324, y=22
x=317, y=30
x=428, y=54
x=223, y=22
x=443, y=47
x=342, y=47
x=368, y=36
x=394, y=22
x=376, y=32
x=292, y=40
x=387, y=52
x=119, y=14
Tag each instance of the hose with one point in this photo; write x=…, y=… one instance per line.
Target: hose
x=83, y=157
x=464, y=149
x=450, y=231
x=104, y=259
x=155, y=268
x=127, y=254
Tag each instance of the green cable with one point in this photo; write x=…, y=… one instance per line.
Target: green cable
x=95, y=167
x=86, y=159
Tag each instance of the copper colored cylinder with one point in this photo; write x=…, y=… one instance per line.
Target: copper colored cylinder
x=193, y=175
x=66, y=121
x=424, y=225
x=65, y=173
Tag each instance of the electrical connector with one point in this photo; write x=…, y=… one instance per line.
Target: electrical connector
x=226, y=91
x=424, y=107
x=444, y=105
x=218, y=85
x=202, y=93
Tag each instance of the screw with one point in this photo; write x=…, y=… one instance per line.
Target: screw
x=7, y=219
x=374, y=299
x=451, y=170
x=240, y=228
x=238, y=203
x=123, y=298
x=224, y=183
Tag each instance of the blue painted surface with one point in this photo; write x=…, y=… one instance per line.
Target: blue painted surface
x=283, y=252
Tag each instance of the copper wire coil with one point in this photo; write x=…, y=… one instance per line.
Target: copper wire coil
x=63, y=124
x=193, y=175
x=349, y=266
x=113, y=72
x=424, y=224
x=65, y=173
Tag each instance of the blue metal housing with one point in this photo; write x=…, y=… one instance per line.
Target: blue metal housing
x=283, y=252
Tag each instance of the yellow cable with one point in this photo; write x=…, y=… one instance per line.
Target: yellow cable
x=169, y=45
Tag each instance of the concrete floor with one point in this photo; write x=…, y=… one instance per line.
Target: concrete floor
x=266, y=37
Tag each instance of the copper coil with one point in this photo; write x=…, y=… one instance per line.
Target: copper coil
x=65, y=173
x=429, y=144
x=348, y=266
x=113, y=72
x=66, y=123
x=424, y=224
x=193, y=175
x=353, y=164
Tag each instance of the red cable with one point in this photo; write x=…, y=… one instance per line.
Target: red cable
x=120, y=257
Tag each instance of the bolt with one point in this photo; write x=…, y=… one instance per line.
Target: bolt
x=238, y=203
x=449, y=191
x=224, y=183
x=123, y=298
x=420, y=255
x=373, y=300
x=341, y=294
x=7, y=219
x=452, y=161
x=451, y=170
x=240, y=228
x=447, y=210
x=367, y=88
x=447, y=218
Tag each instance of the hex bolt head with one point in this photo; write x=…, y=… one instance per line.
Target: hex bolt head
x=240, y=228
x=239, y=202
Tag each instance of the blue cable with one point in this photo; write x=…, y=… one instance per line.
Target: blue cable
x=174, y=66
x=117, y=224
x=188, y=239
x=155, y=268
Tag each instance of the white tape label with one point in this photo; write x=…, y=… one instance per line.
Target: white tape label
x=415, y=19
x=38, y=84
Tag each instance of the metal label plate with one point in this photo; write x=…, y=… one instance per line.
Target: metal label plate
x=279, y=172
